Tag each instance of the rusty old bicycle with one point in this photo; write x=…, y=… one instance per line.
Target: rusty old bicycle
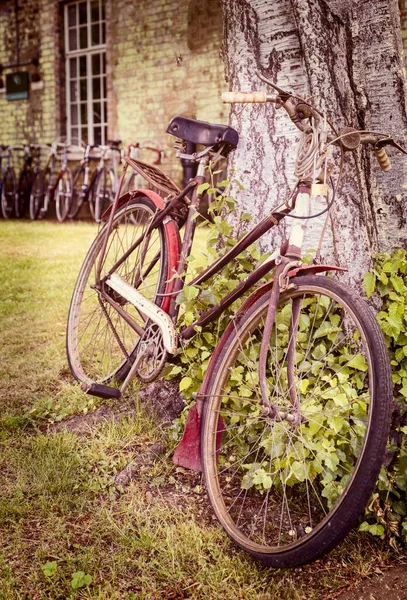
x=292, y=418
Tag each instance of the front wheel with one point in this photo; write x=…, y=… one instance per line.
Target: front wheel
x=63, y=195
x=102, y=195
x=8, y=193
x=289, y=480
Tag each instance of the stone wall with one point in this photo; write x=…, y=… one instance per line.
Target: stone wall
x=163, y=58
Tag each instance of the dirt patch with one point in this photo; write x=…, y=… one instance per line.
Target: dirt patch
x=386, y=584
x=160, y=399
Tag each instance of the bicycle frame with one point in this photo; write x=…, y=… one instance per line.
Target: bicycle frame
x=286, y=257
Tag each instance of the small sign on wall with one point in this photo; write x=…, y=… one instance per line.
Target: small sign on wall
x=17, y=86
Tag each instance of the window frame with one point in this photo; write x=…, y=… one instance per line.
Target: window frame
x=88, y=53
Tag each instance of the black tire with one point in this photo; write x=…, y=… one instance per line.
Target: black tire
x=289, y=492
x=102, y=193
x=8, y=193
x=23, y=193
x=99, y=341
x=78, y=191
x=37, y=194
x=63, y=195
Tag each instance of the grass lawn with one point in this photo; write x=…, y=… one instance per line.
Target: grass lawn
x=67, y=531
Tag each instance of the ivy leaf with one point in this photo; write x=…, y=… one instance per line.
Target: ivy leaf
x=398, y=283
x=358, y=362
x=80, y=579
x=369, y=282
x=202, y=188
x=191, y=292
x=49, y=569
x=185, y=383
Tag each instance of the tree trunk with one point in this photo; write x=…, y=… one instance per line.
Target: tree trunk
x=347, y=57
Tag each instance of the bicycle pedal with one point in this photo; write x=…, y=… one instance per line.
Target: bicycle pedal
x=101, y=391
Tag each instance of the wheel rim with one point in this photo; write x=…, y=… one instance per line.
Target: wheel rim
x=275, y=484
x=103, y=194
x=63, y=200
x=99, y=340
x=36, y=196
x=77, y=193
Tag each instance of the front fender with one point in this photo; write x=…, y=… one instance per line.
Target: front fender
x=254, y=296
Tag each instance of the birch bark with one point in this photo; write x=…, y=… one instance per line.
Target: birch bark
x=347, y=56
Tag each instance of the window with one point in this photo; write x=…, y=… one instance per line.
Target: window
x=85, y=46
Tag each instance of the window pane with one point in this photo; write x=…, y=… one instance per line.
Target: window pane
x=84, y=114
x=74, y=114
x=103, y=11
x=74, y=91
x=103, y=33
x=72, y=68
x=104, y=87
x=97, y=133
x=84, y=89
x=83, y=12
x=103, y=55
x=97, y=112
x=95, y=64
x=95, y=35
x=83, y=37
x=82, y=66
x=94, y=11
x=105, y=112
x=84, y=135
x=73, y=39
x=72, y=15
x=74, y=135
x=96, y=88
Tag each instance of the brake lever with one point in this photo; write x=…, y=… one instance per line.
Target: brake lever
x=389, y=141
x=282, y=93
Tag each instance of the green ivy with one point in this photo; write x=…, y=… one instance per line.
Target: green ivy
x=386, y=514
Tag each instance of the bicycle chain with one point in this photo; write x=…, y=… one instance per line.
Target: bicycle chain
x=113, y=328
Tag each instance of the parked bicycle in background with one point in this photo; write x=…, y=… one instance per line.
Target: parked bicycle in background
x=53, y=184
x=8, y=182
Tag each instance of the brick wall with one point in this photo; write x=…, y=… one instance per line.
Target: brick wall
x=38, y=118
x=403, y=17
x=163, y=58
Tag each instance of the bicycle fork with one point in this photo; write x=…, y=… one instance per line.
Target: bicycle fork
x=290, y=260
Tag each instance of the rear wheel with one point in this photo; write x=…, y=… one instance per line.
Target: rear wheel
x=288, y=483
x=100, y=343
x=63, y=195
x=8, y=193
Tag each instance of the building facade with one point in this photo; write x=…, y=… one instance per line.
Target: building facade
x=96, y=70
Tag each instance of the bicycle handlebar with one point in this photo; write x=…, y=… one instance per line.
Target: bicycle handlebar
x=301, y=113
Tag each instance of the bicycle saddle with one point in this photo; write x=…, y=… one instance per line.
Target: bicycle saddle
x=202, y=132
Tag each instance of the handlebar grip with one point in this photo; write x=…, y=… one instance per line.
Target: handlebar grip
x=383, y=159
x=245, y=97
